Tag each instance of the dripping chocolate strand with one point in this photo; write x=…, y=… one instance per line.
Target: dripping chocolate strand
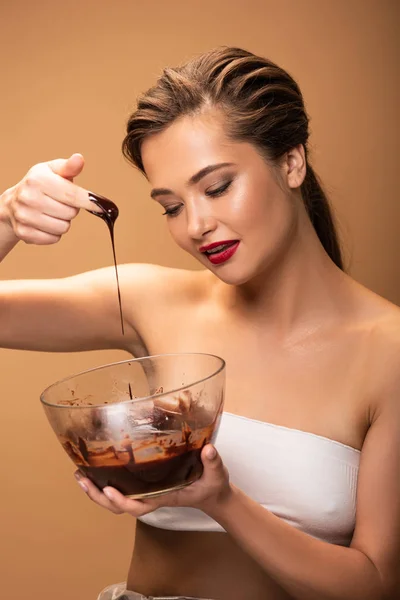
x=109, y=215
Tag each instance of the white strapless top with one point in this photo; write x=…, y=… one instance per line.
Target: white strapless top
x=308, y=480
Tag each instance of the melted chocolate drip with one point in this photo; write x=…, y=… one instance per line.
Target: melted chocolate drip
x=109, y=215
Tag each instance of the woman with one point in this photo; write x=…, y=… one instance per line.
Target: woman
x=302, y=501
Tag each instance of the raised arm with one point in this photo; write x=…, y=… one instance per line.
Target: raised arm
x=70, y=314
x=64, y=315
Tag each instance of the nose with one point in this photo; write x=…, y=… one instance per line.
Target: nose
x=200, y=222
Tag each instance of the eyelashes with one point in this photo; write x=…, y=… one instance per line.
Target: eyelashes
x=219, y=190
x=173, y=211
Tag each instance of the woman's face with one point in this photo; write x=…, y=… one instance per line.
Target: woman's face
x=223, y=203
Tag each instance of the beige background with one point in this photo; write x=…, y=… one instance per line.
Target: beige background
x=70, y=72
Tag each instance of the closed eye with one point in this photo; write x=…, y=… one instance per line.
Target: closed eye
x=173, y=211
x=213, y=192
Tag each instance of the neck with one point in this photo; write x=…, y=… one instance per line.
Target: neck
x=300, y=291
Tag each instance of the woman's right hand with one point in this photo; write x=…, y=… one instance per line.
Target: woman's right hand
x=39, y=209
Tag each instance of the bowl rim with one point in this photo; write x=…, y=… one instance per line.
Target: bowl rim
x=130, y=360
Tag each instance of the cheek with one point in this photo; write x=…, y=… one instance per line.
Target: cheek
x=256, y=201
x=271, y=216
x=281, y=226
x=178, y=232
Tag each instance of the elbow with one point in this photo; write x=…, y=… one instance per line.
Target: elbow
x=378, y=583
x=384, y=585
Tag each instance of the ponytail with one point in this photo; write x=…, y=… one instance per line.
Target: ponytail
x=320, y=214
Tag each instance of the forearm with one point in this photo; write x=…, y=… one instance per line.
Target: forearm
x=307, y=568
x=8, y=239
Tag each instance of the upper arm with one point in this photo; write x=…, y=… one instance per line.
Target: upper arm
x=74, y=313
x=377, y=532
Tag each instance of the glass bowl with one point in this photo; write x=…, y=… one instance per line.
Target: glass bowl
x=139, y=425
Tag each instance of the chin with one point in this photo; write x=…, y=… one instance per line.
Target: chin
x=232, y=275
x=232, y=272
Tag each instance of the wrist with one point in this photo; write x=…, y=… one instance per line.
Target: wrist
x=5, y=220
x=223, y=504
x=8, y=238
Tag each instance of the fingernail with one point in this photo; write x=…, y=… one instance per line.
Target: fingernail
x=211, y=453
x=107, y=492
x=78, y=477
x=83, y=486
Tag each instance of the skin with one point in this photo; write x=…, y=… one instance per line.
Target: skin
x=278, y=303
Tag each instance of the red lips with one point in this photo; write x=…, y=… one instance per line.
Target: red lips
x=216, y=244
x=226, y=251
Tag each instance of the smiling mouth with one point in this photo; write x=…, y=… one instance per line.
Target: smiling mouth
x=220, y=253
x=217, y=247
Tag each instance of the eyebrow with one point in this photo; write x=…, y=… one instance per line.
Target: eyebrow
x=193, y=179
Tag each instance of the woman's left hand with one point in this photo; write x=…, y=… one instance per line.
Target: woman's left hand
x=212, y=489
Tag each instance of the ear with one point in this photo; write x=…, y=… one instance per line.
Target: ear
x=294, y=165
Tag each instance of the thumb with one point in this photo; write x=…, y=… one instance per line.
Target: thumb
x=210, y=457
x=67, y=167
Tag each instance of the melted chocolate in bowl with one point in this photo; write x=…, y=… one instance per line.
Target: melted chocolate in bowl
x=159, y=462
x=149, y=478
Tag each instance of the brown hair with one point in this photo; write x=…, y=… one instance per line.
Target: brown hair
x=263, y=105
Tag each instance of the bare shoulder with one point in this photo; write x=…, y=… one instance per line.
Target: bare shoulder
x=138, y=282
x=381, y=324
x=157, y=300
x=155, y=283
x=156, y=292
x=383, y=320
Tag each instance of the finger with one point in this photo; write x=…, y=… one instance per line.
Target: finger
x=211, y=459
x=41, y=203
x=136, y=508
x=68, y=167
x=45, y=178
x=95, y=494
x=167, y=404
x=66, y=192
x=56, y=209
x=42, y=222
x=30, y=235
